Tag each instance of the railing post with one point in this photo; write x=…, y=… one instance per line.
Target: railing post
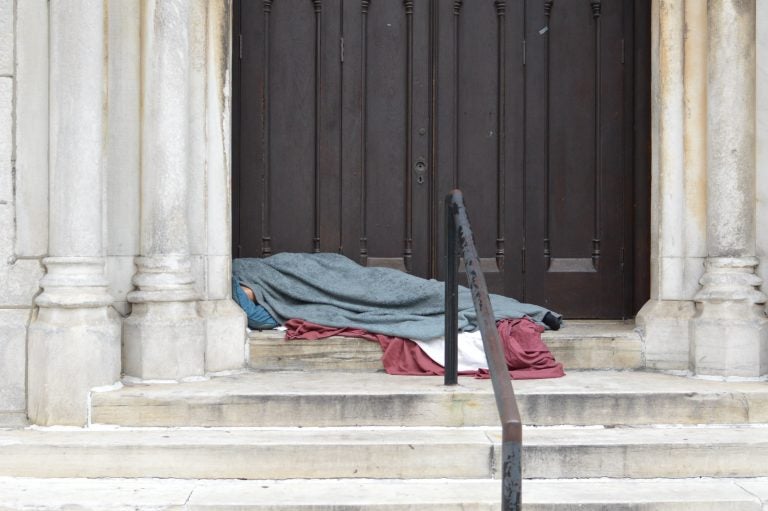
x=457, y=225
x=451, y=296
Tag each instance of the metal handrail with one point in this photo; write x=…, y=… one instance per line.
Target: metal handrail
x=457, y=222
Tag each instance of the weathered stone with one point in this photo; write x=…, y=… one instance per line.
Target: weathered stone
x=164, y=337
x=225, y=346
x=6, y=37
x=74, y=342
x=341, y=399
x=13, y=359
x=377, y=495
x=123, y=156
x=731, y=340
x=164, y=341
x=20, y=282
x=71, y=351
x=664, y=326
x=6, y=138
x=730, y=331
x=32, y=128
x=227, y=454
x=761, y=139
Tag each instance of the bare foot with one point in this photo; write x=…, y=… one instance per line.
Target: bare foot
x=248, y=293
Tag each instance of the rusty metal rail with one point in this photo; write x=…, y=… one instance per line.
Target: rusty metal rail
x=457, y=225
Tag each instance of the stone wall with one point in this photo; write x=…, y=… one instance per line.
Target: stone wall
x=24, y=177
x=762, y=141
x=23, y=189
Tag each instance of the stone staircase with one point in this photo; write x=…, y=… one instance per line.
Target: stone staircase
x=315, y=426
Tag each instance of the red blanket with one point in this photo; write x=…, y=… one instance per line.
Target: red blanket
x=527, y=355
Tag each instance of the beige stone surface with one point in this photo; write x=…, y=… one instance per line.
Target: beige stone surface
x=374, y=495
x=270, y=351
x=70, y=352
x=32, y=128
x=6, y=138
x=123, y=137
x=761, y=138
x=13, y=358
x=664, y=326
x=94, y=494
x=414, y=453
x=644, y=452
x=20, y=281
x=579, y=345
x=224, y=335
x=596, y=345
x=639, y=494
x=7, y=12
x=250, y=454
x=338, y=399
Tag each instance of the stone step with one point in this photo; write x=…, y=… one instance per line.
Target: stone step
x=17, y=494
x=578, y=345
x=389, y=453
x=273, y=399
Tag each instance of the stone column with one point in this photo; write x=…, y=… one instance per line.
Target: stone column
x=164, y=336
x=730, y=330
x=74, y=342
x=664, y=319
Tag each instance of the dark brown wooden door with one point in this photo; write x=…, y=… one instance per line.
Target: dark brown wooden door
x=354, y=118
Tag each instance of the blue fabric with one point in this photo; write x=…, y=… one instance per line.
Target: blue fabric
x=258, y=317
x=331, y=290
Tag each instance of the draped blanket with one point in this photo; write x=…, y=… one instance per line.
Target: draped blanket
x=334, y=291
x=526, y=354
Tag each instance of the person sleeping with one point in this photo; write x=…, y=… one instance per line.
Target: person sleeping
x=332, y=290
x=258, y=317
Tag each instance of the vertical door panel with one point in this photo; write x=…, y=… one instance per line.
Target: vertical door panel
x=386, y=125
x=291, y=137
x=575, y=168
x=471, y=122
x=290, y=126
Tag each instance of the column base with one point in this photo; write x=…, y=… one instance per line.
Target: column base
x=730, y=339
x=164, y=341
x=730, y=330
x=665, y=329
x=225, y=347
x=70, y=351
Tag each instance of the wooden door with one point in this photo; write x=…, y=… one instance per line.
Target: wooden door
x=578, y=155
x=354, y=118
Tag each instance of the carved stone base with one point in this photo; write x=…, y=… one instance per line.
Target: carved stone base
x=164, y=341
x=730, y=339
x=730, y=330
x=225, y=347
x=70, y=351
x=665, y=329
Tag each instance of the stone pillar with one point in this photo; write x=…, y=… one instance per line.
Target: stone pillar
x=164, y=336
x=730, y=330
x=675, y=267
x=74, y=342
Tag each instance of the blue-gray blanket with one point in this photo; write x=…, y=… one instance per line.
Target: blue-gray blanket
x=332, y=290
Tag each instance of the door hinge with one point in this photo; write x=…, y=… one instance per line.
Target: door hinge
x=341, y=48
x=524, y=50
x=240, y=45
x=622, y=51
x=621, y=259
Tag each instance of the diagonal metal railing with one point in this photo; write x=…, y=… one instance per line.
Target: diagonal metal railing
x=459, y=233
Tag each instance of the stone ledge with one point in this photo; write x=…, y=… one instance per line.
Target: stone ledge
x=579, y=345
x=414, y=453
x=343, y=399
x=378, y=495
